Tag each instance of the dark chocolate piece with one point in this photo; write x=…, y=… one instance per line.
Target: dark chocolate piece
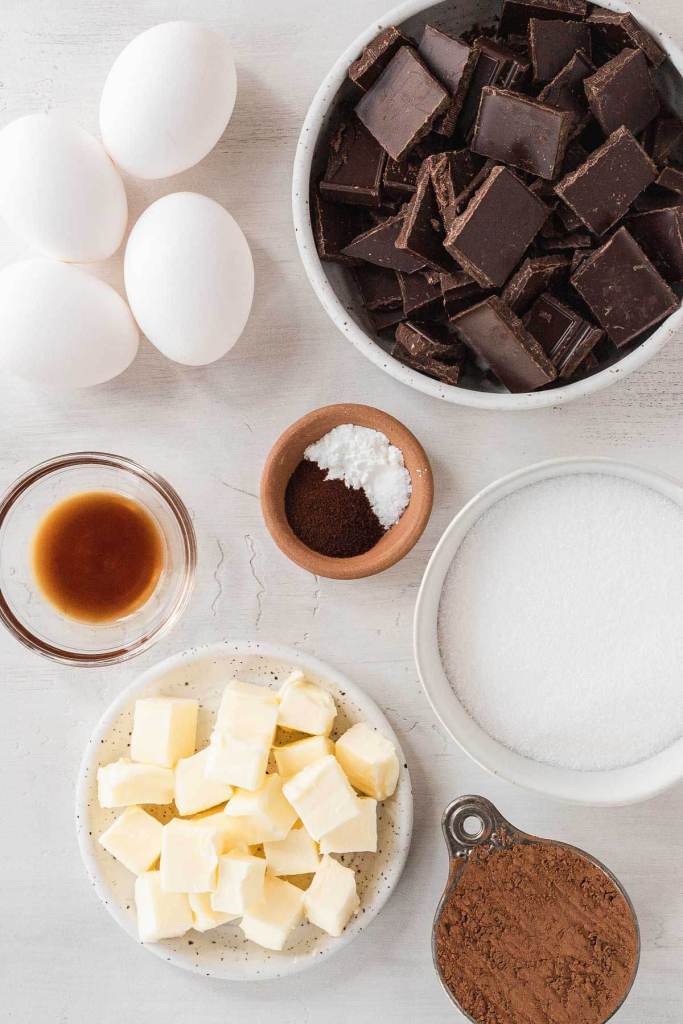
x=354, y=166
x=602, y=189
x=498, y=337
x=667, y=140
x=552, y=44
x=516, y=13
x=623, y=290
x=659, y=233
x=567, y=243
x=430, y=350
x=490, y=238
x=614, y=31
x=566, y=338
x=449, y=59
x=365, y=71
x=422, y=232
x=621, y=93
x=378, y=246
x=491, y=64
x=421, y=295
x=580, y=255
x=671, y=178
x=400, y=108
x=459, y=291
x=379, y=288
x=535, y=276
x=400, y=179
x=451, y=173
x=334, y=227
x=570, y=220
x=566, y=91
x=386, y=319
x=522, y=132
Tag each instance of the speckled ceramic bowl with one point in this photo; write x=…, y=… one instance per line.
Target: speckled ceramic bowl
x=202, y=673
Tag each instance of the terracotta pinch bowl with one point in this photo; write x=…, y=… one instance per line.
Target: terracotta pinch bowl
x=288, y=452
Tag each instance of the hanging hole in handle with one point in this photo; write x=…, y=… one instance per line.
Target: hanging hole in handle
x=471, y=824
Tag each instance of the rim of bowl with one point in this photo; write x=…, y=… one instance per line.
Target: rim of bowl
x=605, y=788
x=361, y=339
x=173, y=502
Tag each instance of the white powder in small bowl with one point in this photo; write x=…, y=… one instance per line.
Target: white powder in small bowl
x=561, y=622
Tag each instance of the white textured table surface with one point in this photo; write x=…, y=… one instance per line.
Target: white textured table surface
x=64, y=961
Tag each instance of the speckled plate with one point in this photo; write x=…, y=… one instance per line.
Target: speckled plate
x=202, y=673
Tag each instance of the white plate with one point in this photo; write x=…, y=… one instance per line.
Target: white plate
x=202, y=673
x=607, y=788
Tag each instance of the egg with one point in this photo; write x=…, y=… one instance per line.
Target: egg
x=62, y=328
x=168, y=98
x=59, y=190
x=189, y=277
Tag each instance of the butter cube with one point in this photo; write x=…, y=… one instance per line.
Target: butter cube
x=331, y=899
x=271, y=921
x=291, y=758
x=161, y=915
x=369, y=760
x=164, y=730
x=356, y=836
x=240, y=882
x=270, y=814
x=204, y=917
x=124, y=783
x=189, y=857
x=134, y=839
x=306, y=707
x=193, y=791
x=236, y=762
x=248, y=712
x=322, y=797
x=295, y=855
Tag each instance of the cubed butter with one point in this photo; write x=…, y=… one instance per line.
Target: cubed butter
x=295, y=855
x=331, y=899
x=270, y=814
x=369, y=760
x=248, y=712
x=204, y=917
x=134, y=839
x=194, y=792
x=306, y=707
x=229, y=832
x=271, y=921
x=189, y=856
x=161, y=915
x=240, y=882
x=356, y=836
x=236, y=762
x=124, y=782
x=322, y=797
x=164, y=730
x=291, y=758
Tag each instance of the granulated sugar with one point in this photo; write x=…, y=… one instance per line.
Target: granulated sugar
x=561, y=622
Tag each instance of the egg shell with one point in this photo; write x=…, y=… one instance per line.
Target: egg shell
x=189, y=277
x=59, y=190
x=168, y=98
x=62, y=328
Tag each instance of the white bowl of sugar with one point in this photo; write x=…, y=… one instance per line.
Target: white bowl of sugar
x=547, y=630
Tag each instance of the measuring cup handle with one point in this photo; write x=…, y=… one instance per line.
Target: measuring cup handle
x=471, y=821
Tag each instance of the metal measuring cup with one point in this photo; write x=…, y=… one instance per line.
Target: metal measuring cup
x=471, y=822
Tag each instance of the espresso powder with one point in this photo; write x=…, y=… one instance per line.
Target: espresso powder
x=536, y=934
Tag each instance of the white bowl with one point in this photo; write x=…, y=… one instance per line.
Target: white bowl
x=330, y=281
x=202, y=673
x=615, y=787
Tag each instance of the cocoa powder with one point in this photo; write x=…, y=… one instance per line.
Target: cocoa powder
x=536, y=934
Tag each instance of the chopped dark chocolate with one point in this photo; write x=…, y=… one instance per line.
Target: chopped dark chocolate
x=497, y=336
x=386, y=319
x=552, y=44
x=400, y=179
x=535, y=276
x=378, y=246
x=521, y=132
x=659, y=233
x=431, y=350
x=379, y=288
x=615, y=31
x=602, y=189
x=334, y=227
x=354, y=166
x=490, y=238
x=621, y=93
x=459, y=292
x=567, y=243
x=566, y=338
x=671, y=178
x=624, y=291
x=667, y=140
x=566, y=91
x=451, y=173
x=449, y=59
x=491, y=64
x=365, y=71
x=400, y=108
x=421, y=295
x=422, y=232
x=516, y=13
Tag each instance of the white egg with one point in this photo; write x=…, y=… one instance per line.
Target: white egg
x=168, y=98
x=59, y=190
x=62, y=328
x=189, y=277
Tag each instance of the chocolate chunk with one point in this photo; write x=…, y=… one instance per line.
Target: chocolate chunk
x=567, y=243
x=365, y=71
x=621, y=93
x=552, y=44
x=354, y=166
x=378, y=246
x=566, y=338
x=400, y=108
x=422, y=233
x=615, y=31
x=491, y=64
x=672, y=179
x=622, y=288
x=667, y=140
x=386, y=319
x=449, y=59
x=516, y=13
x=431, y=351
x=421, y=295
x=498, y=337
x=659, y=233
x=602, y=189
x=566, y=91
x=489, y=239
x=535, y=276
x=570, y=220
x=334, y=227
x=400, y=178
x=522, y=132
x=451, y=173
x=379, y=288
x=460, y=292
x=580, y=255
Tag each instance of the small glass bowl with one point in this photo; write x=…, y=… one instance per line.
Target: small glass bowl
x=39, y=625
